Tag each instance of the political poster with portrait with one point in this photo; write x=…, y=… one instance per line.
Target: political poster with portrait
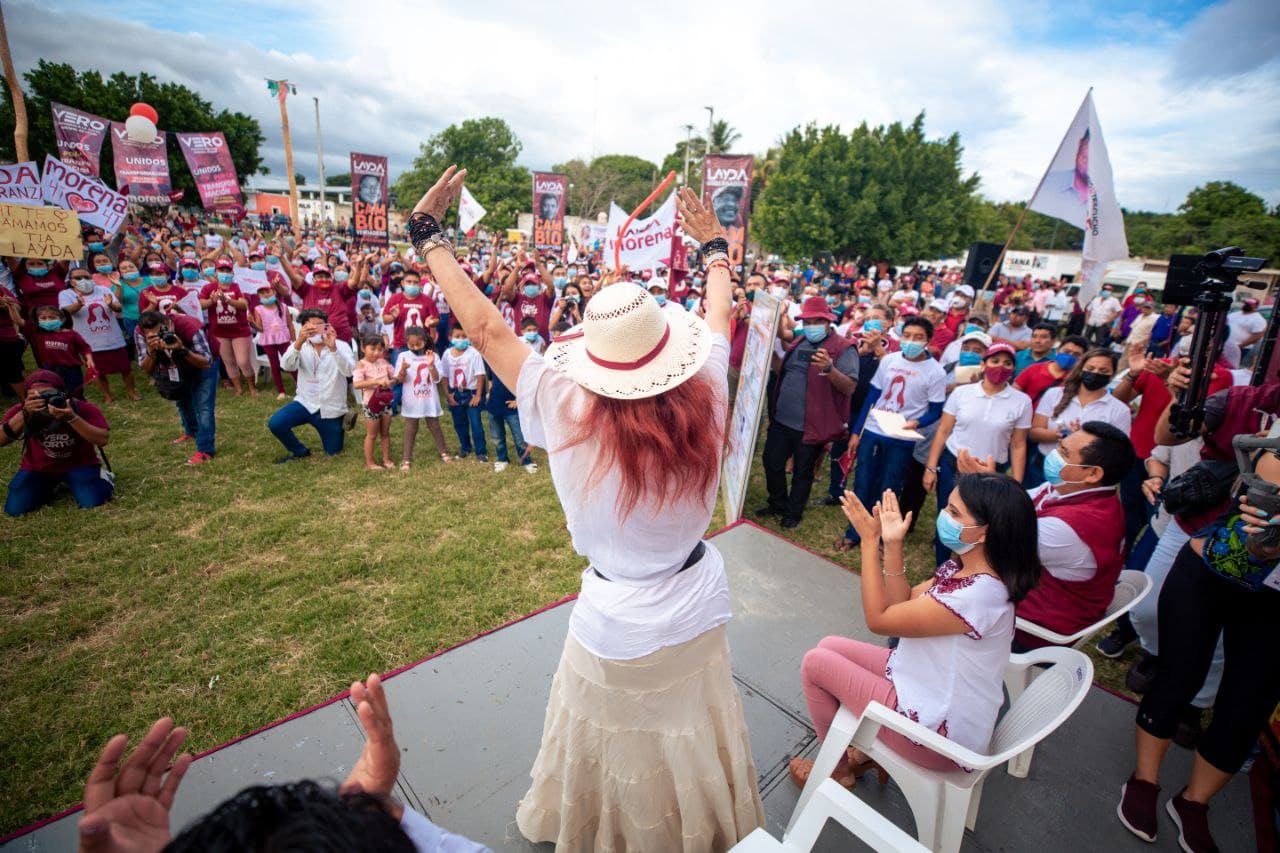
x=20, y=184
x=369, y=198
x=91, y=200
x=209, y=160
x=79, y=136
x=550, y=197
x=748, y=406
x=142, y=169
x=726, y=192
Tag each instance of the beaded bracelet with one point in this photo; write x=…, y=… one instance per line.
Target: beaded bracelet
x=715, y=245
x=719, y=262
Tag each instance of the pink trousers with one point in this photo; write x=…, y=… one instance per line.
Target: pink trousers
x=848, y=672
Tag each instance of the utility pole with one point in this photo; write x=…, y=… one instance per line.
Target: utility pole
x=280, y=88
x=15, y=90
x=324, y=217
x=711, y=121
x=688, y=140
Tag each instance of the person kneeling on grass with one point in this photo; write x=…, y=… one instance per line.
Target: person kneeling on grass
x=174, y=351
x=60, y=440
x=127, y=808
x=324, y=365
x=955, y=628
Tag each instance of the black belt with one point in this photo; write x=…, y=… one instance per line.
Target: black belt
x=694, y=556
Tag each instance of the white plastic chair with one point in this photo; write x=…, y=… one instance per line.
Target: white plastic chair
x=945, y=802
x=832, y=802
x=1131, y=587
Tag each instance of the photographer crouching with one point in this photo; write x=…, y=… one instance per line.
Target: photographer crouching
x=60, y=440
x=174, y=351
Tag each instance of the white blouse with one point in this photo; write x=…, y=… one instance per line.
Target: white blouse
x=1106, y=408
x=954, y=684
x=646, y=604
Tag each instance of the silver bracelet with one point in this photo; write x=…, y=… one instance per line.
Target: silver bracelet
x=894, y=574
x=718, y=256
x=435, y=241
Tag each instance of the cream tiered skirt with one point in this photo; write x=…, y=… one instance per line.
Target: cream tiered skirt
x=649, y=754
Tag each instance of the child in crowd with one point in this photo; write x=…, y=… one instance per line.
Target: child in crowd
x=502, y=412
x=370, y=324
x=274, y=325
x=60, y=348
x=418, y=371
x=372, y=377
x=465, y=374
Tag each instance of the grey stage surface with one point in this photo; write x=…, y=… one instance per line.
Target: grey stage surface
x=469, y=722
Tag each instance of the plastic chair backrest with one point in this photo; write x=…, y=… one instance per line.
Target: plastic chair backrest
x=1129, y=586
x=1046, y=703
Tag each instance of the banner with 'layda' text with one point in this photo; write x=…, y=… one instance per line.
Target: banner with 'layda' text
x=550, y=198
x=209, y=160
x=726, y=191
x=369, y=198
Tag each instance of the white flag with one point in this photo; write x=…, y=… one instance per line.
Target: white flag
x=469, y=211
x=1079, y=190
x=647, y=242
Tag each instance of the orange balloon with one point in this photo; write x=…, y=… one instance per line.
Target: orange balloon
x=146, y=111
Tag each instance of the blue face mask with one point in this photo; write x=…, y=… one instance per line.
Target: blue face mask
x=341, y=275
x=190, y=274
x=104, y=268
x=689, y=303
x=897, y=328
x=412, y=290
x=831, y=300
x=268, y=300
x=96, y=247
x=460, y=344
x=969, y=359
x=366, y=293
x=532, y=290
x=1065, y=360
x=51, y=325
x=226, y=277
x=1053, y=465
x=488, y=290
x=37, y=272
x=973, y=327
x=561, y=281
x=273, y=259
x=131, y=276
x=815, y=334
x=873, y=326
x=660, y=299
x=531, y=337
x=949, y=531
x=912, y=349
x=209, y=272
x=258, y=265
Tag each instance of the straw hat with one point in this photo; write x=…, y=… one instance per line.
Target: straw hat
x=628, y=348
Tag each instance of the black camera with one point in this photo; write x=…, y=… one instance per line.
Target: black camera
x=169, y=338
x=53, y=398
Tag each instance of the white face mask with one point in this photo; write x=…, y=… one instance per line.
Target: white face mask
x=316, y=339
x=84, y=285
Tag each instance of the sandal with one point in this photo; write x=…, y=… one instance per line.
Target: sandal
x=860, y=768
x=374, y=468
x=389, y=465
x=800, y=768
x=445, y=457
x=404, y=466
x=843, y=545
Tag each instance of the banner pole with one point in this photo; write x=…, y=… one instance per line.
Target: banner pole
x=288, y=158
x=324, y=221
x=15, y=90
x=617, y=240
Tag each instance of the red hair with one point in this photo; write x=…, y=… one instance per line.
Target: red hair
x=664, y=448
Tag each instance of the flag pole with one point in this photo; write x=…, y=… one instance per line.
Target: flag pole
x=288, y=154
x=1023, y=215
x=15, y=91
x=617, y=241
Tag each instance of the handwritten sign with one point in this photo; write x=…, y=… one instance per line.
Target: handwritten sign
x=39, y=232
x=749, y=403
x=20, y=184
x=91, y=199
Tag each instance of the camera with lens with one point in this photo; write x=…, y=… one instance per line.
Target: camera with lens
x=169, y=338
x=53, y=398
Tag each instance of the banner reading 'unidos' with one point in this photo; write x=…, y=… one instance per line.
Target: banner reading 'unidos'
x=209, y=160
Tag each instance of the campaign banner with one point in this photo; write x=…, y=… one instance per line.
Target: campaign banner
x=550, y=197
x=142, y=171
x=39, y=232
x=79, y=136
x=726, y=192
x=369, y=198
x=591, y=235
x=748, y=405
x=647, y=243
x=209, y=160
x=20, y=184
x=91, y=200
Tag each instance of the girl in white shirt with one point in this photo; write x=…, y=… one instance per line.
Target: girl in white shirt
x=1082, y=396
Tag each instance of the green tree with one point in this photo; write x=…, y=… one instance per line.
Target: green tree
x=1217, y=201
x=487, y=148
x=884, y=193
x=180, y=110
x=342, y=180
x=610, y=177
x=723, y=137
x=299, y=178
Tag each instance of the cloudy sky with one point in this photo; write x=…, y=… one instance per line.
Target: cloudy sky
x=1187, y=91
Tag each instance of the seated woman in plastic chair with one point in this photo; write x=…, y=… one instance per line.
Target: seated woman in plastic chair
x=955, y=628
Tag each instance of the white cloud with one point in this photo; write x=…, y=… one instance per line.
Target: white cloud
x=1007, y=77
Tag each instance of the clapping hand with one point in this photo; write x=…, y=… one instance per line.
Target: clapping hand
x=696, y=220
x=435, y=202
x=967, y=463
x=866, y=523
x=893, y=524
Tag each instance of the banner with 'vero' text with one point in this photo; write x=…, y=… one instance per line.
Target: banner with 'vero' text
x=550, y=197
x=209, y=160
x=726, y=192
x=369, y=198
x=79, y=136
x=142, y=170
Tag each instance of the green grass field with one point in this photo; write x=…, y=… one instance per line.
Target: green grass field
x=234, y=593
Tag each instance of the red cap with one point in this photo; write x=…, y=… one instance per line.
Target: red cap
x=815, y=308
x=320, y=268
x=645, y=275
x=997, y=348
x=531, y=278
x=1251, y=302
x=224, y=264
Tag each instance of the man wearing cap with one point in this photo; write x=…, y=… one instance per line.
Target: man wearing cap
x=323, y=294
x=958, y=310
x=1246, y=326
x=658, y=289
x=810, y=407
x=530, y=292
x=935, y=312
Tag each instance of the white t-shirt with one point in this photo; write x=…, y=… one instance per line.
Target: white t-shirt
x=985, y=422
x=907, y=387
x=420, y=399
x=1062, y=552
x=1106, y=408
x=1057, y=306
x=1242, y=325
x=95, y=322
x=647, y=604
x=1101, y=310
x=462, y=370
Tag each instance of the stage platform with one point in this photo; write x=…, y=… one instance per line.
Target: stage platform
x=469, y=721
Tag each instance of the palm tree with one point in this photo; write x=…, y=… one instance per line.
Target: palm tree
x=723, y=136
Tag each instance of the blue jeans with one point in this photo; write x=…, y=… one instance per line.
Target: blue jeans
x=442, y=333
x=397, y=392
x=465, y=415
x=498, y=425
x=882, y=464
x=293, y=415
x=196, y=410
x=30, y=490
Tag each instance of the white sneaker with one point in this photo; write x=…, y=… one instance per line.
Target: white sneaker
x=499, y=467
x=531, y=468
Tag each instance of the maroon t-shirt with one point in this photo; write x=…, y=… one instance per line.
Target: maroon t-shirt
x=165, y=301
x=226, y=321
x=59, y=448
x=539, y=308
x=62, y=348
x=333, y=301
x=39, y=292
x=8, y=332
x=414, y=311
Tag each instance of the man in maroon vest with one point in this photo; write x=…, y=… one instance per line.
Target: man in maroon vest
x=810, y=407
x=1080, y=530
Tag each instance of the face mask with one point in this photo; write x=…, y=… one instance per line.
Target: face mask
x=912, y=349
x=190, y=274
x=173, y=244
x=316, y=339
x=417, y=350
x=561, y=281
x=831, y=300
x=268, y=300
x=188, y=256
x=949, y=531
x=815, y=334
x=51, y=325
x=690, y=303
x=226, y=277
x=998, y=374
x=1065, y=360
x=897, y=328
x=1053, y=465
x=131, y=276
x=96, y=247
x=366, y=293
x=104, y=268
x=323, y=283
x=412, y=290
x=341, y=275
x=660, y=299
x=531, y=290
x=84, y=285
x=969, y=359
x=209, y=272
x=531, y=337
x=273, y=259
x=873, y=325
x=973, y=327
x=37, y=272
x=258, y=265
x=488, y=290
x=460, y=344
x=155, y=281
x=1093, y=381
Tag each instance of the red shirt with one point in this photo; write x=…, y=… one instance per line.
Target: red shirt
x=224, y=320
x=62, y=348
x=39, y=292
x=1155, y=399
x=332, y=301
x=165, y=301
x=59, y=448
x=955, y=319
x=414, y=311
x=8, y=332
x=1035, y=379
x=942, y=336
x=539, y=307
